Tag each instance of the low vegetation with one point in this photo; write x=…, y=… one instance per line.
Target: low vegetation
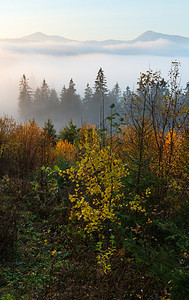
x=98, y=214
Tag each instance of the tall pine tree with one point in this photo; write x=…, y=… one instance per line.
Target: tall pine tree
x=97, y=107
x=87, y=100
x=70, y=102
x=25, y=98
x=41, y=101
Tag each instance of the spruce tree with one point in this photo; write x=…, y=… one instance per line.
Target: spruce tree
x=63, y=94
x=88, y=95
x=70, y=102
x=116, y=94
x=41, y=101
x=97, y=107
x=50, y=131
x=25, y=98
x=45, y=92
x=87, y=100
x=100, y=83
x=53, y=104
x=115, y=97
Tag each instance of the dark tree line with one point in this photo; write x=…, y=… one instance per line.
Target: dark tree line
x=92, y=108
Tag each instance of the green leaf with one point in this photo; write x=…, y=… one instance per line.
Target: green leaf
x=56, y=168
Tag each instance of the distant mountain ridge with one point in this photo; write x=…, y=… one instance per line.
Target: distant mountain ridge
x=148, y=43
x=39, y=36
x=154, y=36
x=147, y=36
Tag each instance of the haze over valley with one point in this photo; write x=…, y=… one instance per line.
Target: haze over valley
x=58, y=59
x=94, y=132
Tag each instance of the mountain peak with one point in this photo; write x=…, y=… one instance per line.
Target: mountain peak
x=41, y=37
x=36, y=36
x=149, y=36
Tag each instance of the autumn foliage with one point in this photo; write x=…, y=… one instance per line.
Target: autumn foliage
x=24, y=148
x=94, y=213
x=66, y=151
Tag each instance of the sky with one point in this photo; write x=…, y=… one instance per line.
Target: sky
x=93, y=19
x=87, y=20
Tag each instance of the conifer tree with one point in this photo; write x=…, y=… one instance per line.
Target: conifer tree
x=88, y=95
x=100, y=83
x=63, y=94
x=50, y=131
x=53, y=96
x=115, y=98
x=45, y=92
x=25, y=98
x=53, y=104
x=70, y=102
x=87, y=101
x=97, y=107
x=41, y=100
x=127, y=94
x=115, y=94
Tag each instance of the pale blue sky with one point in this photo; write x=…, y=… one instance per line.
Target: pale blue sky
x=89, y=19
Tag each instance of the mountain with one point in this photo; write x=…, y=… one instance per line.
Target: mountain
x=39, y=37
x=150, y=36
x=148, y=43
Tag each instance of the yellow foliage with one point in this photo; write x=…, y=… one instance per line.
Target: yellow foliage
x=87, y=135
x=97, y=179
x=183, y=160
x=66, y=150
x=23, y=147
x=135, y=205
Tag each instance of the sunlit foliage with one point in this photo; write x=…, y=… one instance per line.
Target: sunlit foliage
x=23, y=147
x=99, y=213
x=66, y=150
x=97, y=179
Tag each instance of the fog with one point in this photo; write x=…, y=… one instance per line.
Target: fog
x=59, y=69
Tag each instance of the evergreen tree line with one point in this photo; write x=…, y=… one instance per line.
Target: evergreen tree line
x=93, y=107
x=89, y=213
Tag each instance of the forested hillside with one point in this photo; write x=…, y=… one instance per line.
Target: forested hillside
x=98, y=211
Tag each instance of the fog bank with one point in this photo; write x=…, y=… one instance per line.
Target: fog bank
x=57, y=70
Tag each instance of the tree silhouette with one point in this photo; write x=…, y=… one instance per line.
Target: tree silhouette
x=41, y=101
x=70, y=102
x=97, y=107
x=25, y=98
x=50, y=131
x=87, y=100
